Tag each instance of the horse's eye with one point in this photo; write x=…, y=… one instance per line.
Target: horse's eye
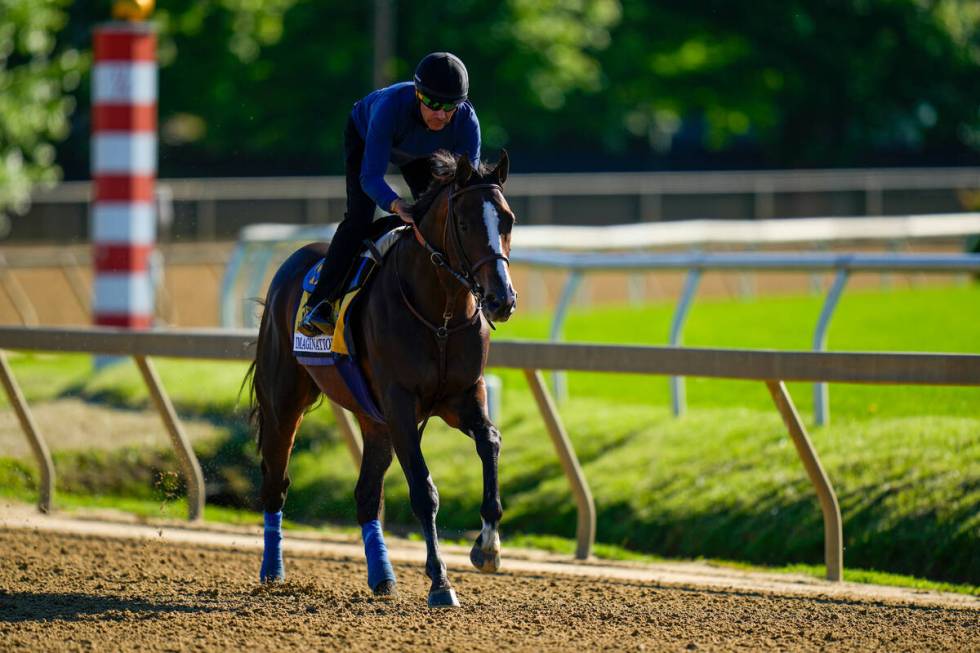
x=506, y=224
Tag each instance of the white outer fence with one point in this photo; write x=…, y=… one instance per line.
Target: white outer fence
x=773, y=368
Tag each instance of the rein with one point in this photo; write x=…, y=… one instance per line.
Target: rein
x=466, y=278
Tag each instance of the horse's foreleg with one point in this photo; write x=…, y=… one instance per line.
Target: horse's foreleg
x=475, y=422
x=369, y=494
x=422, y=492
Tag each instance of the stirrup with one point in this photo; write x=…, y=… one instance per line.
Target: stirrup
x=319, y=320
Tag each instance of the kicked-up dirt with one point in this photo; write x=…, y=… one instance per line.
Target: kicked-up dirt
x=61, y=591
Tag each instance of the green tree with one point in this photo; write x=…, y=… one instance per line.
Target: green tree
x=36, y=83
x=264, y=87
x=811, y=82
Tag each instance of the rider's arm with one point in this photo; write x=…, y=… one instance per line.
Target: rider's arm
x=377, y=151
x=471, y=139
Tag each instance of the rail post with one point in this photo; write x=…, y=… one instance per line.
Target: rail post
x=833, y=534
x=678, y=400
x=821, y=399
x=346, y=426
x=28, y=425
x=585, y=530
x=182, y=446
x=124, y=169
x=571, y=286
x=21, y=302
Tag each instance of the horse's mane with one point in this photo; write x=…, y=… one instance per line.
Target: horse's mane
x=443, y=170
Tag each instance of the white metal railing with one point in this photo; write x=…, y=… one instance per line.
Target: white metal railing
x=263, y=245
x=771, y=367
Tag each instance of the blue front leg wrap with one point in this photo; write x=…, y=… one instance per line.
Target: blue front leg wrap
x=272, y=566
x=379, y=567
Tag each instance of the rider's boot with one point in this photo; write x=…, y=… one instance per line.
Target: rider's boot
x=319, y=320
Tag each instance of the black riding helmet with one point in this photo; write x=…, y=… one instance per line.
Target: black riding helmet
x=442, y=77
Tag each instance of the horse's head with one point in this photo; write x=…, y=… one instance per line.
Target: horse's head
x=477, y=234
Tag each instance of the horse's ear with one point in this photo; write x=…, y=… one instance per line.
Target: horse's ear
x=503, y=167
x=464, y=170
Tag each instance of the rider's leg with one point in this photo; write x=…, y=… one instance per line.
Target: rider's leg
x=346, y=241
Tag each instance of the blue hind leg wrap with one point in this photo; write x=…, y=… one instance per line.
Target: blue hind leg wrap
x=379, y=567
x=272, y=565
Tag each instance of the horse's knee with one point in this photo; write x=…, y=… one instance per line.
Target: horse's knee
x=425, y=499
x=488, y=441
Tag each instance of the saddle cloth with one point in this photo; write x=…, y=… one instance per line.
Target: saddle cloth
x=338, y=349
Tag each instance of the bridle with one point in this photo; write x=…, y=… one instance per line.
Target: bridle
x=465, y=277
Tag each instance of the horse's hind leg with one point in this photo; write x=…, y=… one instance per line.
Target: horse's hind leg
x=400, y=406
x=277, y=433
x=369, y=494
x=471, y=418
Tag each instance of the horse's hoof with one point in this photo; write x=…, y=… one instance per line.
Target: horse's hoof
x=486, y=561
x=444, y=598
x=386, y=589
x=272, y=577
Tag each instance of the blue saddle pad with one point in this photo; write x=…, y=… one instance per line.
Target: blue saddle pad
x=316, y=351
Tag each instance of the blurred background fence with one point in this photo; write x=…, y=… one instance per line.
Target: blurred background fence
x=216, y=209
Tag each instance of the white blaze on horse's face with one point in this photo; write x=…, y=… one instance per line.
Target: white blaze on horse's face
x=491, y=221
x=501, y=297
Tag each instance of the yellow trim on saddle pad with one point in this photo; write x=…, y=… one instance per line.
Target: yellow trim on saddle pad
x=300, y=312
x=339, y=341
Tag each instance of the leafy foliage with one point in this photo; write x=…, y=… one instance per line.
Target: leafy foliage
x=253, y=87
x=36, y=81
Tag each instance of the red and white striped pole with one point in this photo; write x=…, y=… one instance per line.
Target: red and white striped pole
x=124, y=165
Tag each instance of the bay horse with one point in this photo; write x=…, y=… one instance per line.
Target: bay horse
x=422, y=337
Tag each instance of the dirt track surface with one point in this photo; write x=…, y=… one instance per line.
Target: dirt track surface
x=61, y=591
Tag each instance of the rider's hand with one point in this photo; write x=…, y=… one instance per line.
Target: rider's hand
x=400, y=207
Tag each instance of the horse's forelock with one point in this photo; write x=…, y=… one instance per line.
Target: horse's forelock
x=443, y=164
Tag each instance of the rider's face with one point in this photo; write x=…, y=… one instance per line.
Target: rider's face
x=435, y=120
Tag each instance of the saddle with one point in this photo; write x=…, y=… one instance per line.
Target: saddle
x=363, y=269
x=338, y=349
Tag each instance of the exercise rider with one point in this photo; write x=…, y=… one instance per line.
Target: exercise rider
x=401, y=124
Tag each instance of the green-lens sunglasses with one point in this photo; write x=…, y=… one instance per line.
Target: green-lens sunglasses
x=435, y=105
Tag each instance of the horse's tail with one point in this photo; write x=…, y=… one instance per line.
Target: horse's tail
x=274, y=372
x=262, y=373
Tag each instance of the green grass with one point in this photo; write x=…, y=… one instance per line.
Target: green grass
x=927, y=319
x=723, y=482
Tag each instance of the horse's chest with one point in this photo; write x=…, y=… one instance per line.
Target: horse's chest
x=411, y=355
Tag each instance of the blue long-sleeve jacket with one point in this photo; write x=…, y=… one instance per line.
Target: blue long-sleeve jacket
x=390, y=122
